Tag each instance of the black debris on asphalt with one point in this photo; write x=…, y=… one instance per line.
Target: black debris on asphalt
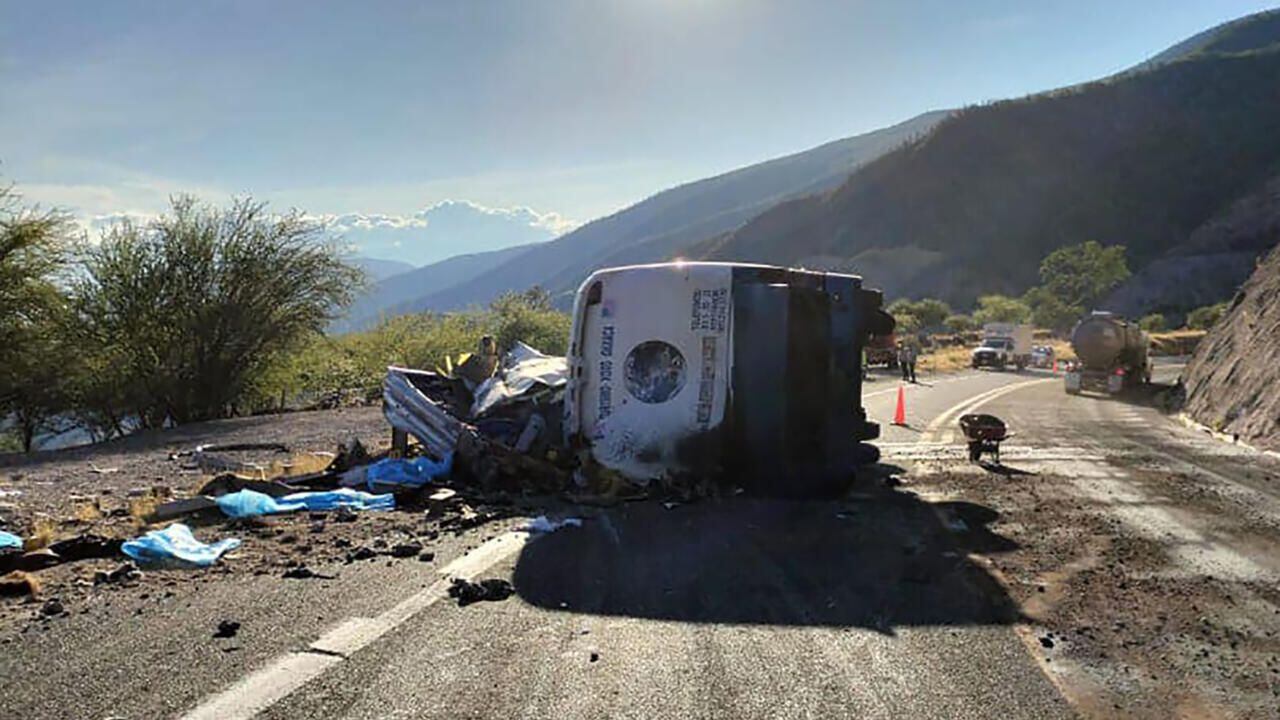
x=126, y=572
x=227, y=629
x=490, y=589
x=406, y=550
x=302, y=572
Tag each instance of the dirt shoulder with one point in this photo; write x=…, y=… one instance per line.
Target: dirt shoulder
x=100, y=494
x=1120, y=618
x=54, y=483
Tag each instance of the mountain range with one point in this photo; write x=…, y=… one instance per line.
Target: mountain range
x=1176, y=158
x=656, y=228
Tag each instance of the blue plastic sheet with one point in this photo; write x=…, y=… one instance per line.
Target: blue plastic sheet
x=407, y=473
x=9, y=540
x=176, y=543
x=343, y=497
x=250, y=503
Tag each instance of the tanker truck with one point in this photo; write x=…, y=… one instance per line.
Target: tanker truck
x=1112, y=355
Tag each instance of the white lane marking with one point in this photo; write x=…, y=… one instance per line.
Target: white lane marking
x=933, y=432
x=265, y=687
x=350, y=636
x=931, y=383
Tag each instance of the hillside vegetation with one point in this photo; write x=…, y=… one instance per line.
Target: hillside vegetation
x=1141, y=160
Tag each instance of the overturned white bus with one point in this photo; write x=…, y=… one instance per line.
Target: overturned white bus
x=721, y=368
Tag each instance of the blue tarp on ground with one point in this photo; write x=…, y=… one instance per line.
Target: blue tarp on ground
x=250, y=503
x=9, y=540
x=407, y=473
x=176, y=543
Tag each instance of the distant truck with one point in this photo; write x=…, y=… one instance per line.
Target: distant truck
x=883, y=350
x=1003, y=344
x=1114, y=354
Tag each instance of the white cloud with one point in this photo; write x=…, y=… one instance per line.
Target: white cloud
x=98, y=223
x=447, y=228
x=436, y=232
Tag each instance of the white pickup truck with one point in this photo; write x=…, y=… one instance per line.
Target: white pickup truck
x=1003, y=344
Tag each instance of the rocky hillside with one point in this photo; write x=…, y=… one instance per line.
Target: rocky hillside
x=1233, y=378
x=1215, y=259
x=1143, y=159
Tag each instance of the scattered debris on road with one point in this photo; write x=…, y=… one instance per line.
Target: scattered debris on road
x=176, y=543
x=491, y=590
x=19, y=584
x=541, y=524
x=302, y=572
x=126, y=572
x=227, y=629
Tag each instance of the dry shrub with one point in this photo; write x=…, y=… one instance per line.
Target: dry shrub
x=142, y=509
x=43, y=533
x=19, y=584
x=88, y=512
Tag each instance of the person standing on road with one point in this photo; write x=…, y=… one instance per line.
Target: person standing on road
x=907, y=359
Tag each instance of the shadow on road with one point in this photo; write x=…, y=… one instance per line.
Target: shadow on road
x=891, y=560
x=999, y=468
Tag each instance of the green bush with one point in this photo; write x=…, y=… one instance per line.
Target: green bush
x=1001, y=308
x=1153, y=323
x=960, y=323
x=358, y=361
x=928, y=313
x=1049, y=311
x=1206, y=317
x=190, y=311
x=35, y=356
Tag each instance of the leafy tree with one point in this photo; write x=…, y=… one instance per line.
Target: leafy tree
x=1152, y=323
x=1001, y=308
x=960, y=323
x=929, y=312
x=1049, y=311
x=194, y=306
x=34, y=354
x=1206, y=317
x=907, y=324
x=901, y=306
x=530, y=318
x=932, y=313
x=1080, y=275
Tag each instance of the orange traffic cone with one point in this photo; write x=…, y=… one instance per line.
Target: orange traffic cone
x=900, y=415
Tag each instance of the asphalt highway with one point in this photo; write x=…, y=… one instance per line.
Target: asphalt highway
x=864, y=607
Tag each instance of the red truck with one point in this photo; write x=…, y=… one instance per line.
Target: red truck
x=883, y=350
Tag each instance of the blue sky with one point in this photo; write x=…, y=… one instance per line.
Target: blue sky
x=574, y=109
